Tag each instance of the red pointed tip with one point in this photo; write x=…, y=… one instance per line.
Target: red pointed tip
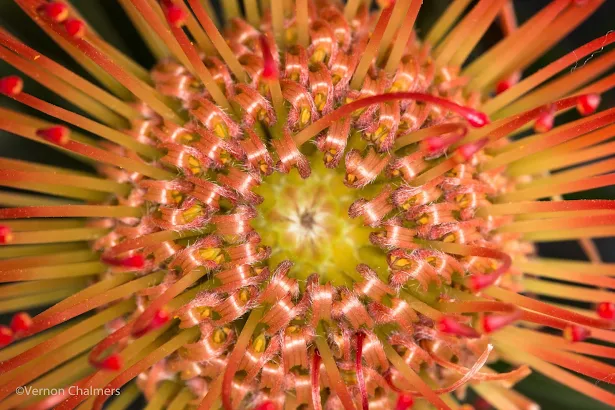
x=11, y=85
x=477, y=119
x=57, y=134
x=576, y=333
x=502, y=86
x=112, y=363
x=270, y=70
x=479, y=282
x=6, y=336
x=544, y=122
x=439, y=143
x=6, y=234
x=268, y=405
x=606, y=310
x=136, y=261
x=75, y=28
x=21, y=323
x=452, y=327
x=160, y=318
x=175, y=14
x=491, y=323
x=467, y=151
x=56, y=11
x=434, y=144
x=404, y=402
x=588, y=103
x=505, y=84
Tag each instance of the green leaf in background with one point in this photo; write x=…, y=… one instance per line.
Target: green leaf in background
x=553, y=396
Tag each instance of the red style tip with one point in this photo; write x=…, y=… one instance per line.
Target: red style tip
x=266, y=406
x=434, y=144
x=75, y=28
x=160, y=318
x=480, y=282
x=6, y=336
x=136, y=261
x=452, y=327
x=112, y=363
x=575, y=333
x=21, y=322
x=588, y=103
x=57, y=134
x=503, y=86
x=56, y=11
x=11, y=85
x=507, y=83
x=6, y=234
x=477, y=119
x=467, y=151
x=404, y=402
x=491, y=323
x=545, y=120
x=439, y=143
x=606, y=310
x=270, y=69
x=175, y=15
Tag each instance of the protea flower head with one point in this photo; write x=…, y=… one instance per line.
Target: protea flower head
x=310, y=207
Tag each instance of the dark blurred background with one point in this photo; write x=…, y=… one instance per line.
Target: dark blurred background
x=108, y=19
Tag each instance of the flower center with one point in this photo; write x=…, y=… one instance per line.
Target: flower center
x=307, y=222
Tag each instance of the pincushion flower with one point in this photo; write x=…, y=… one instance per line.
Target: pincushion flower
x=310, y=207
